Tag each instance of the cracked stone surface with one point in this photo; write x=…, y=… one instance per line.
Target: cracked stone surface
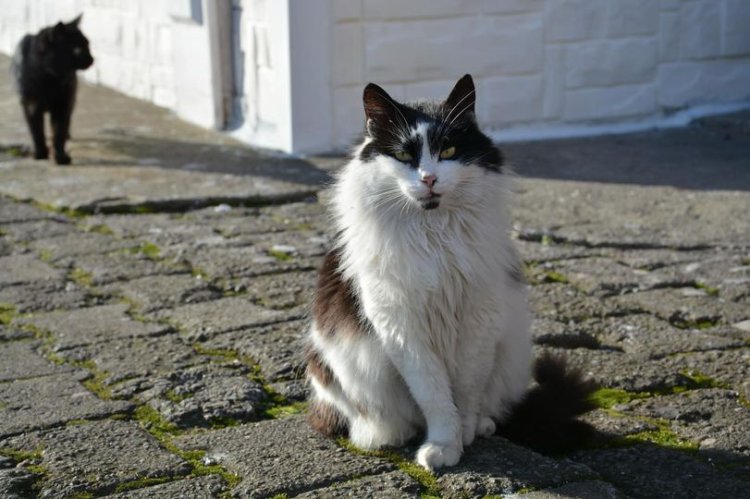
x=92, y=325
x=208, y=486
x=173, y=313
x=495, y=466
x=19, y=269
x=99, y=456
x=165, y=291
x=46, y=296
x=396, y=485
x=198, y=321
x=50, y=401
x=281, y=455
x=26, y=362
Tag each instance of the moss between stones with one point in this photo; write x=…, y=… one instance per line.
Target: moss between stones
x=663, y=437
x=709, y=290
x=80, y=277
x=279, y=255
x=143, y=482
x=606, y=398
x=45, y=255
x=7, y=313
x=100, y=229
x=283, y=411
x=21, y=455
x=95, y=384
x=145, y=248
x=425, y=478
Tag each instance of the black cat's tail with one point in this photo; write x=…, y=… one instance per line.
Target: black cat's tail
x=546, y=418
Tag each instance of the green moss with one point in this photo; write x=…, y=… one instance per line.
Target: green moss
x=7, y=313
x=223, y=422
x=283, y=411
x=76, y=422
x=710, y=290
x=279, y=255
x=280, y=496
x=96, y=383
x=80, y=277
x=702, y=323
x=82, y=495
x=175, y=397
x=142, y=482
x=424, y=477
x=663, y=437
x=154, y=423
x=699, y=380
x=606, y=398
x=21, y=455
x=554, y=276
x=45, y=255
x=223, y=353
x=37, y=469
x=101, y=229
x=547, y=240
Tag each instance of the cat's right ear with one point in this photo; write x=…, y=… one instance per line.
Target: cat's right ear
x=380, y=108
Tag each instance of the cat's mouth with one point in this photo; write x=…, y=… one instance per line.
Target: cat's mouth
x=430, y=201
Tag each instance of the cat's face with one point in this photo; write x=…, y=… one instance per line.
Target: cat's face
x=426, y=154
x=65, y=48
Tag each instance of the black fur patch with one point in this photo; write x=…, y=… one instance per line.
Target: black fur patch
x=336, y=307
x=545, y=419
x=450, y=123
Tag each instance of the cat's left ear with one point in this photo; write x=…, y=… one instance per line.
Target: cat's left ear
x=380, y=108
x=461, y=100
x=75, y=22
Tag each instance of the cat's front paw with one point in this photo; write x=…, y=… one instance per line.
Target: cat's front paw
x=433, y=455
x=62, y=159
x=485, y=426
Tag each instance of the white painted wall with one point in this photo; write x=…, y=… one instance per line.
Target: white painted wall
x=551, y=67
x=543, y=67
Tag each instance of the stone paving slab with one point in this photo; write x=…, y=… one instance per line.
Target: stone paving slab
x=282, y=455
x=17, y=483
x=202, y=487
x=161, y=291
x=12, y=211
x=713, y=418
x=63, y=250
x=120, y=266
x=50, y=401
x=279, y=349
x=109, y=188
x=26, y=232
x=649, y=471
x=13, y=334
x=285, y=291
x=97, y=456
x=393, y=485
x=198, y=321
x=495, y=466
x=86, y=326
x=26, y=363
x=206, y=394
x=46, y=296
x=17, y=269
x=595, y=489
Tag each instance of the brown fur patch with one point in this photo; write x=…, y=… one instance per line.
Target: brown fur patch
x=326, y=419
x=336, y=306
x=317, y=369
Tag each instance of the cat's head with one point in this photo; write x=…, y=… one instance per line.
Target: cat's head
x=428, y=152
x=64, y=48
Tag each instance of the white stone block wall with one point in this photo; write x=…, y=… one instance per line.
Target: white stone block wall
x=544, y=65
x=130, y=40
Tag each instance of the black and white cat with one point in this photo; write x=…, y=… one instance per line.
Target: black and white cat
x=421, y=319
x=44, y=66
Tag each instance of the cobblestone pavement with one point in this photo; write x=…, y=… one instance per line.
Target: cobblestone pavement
x=153, y=350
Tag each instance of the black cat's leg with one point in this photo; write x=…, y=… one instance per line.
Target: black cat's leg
x=60, y=115
x=34, y=115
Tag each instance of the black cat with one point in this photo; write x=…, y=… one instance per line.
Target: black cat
x=44, y=66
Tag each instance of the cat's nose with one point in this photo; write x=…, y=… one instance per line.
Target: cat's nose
x=429, y=180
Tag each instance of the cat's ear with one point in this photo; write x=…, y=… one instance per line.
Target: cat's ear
x=380, y=108
x=462, y=98
x=75, y=22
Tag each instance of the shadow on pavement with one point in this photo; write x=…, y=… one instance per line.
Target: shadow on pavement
x=710, y=154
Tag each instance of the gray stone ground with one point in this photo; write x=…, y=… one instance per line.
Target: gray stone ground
x=153, y=301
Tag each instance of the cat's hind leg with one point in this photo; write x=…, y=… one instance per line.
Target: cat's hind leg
x=353, y=376
x=34, y=115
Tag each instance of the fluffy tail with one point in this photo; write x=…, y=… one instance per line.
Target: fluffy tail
x=545, y=419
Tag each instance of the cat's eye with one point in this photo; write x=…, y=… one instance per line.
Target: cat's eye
x=403, y=156
x=447, y=153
